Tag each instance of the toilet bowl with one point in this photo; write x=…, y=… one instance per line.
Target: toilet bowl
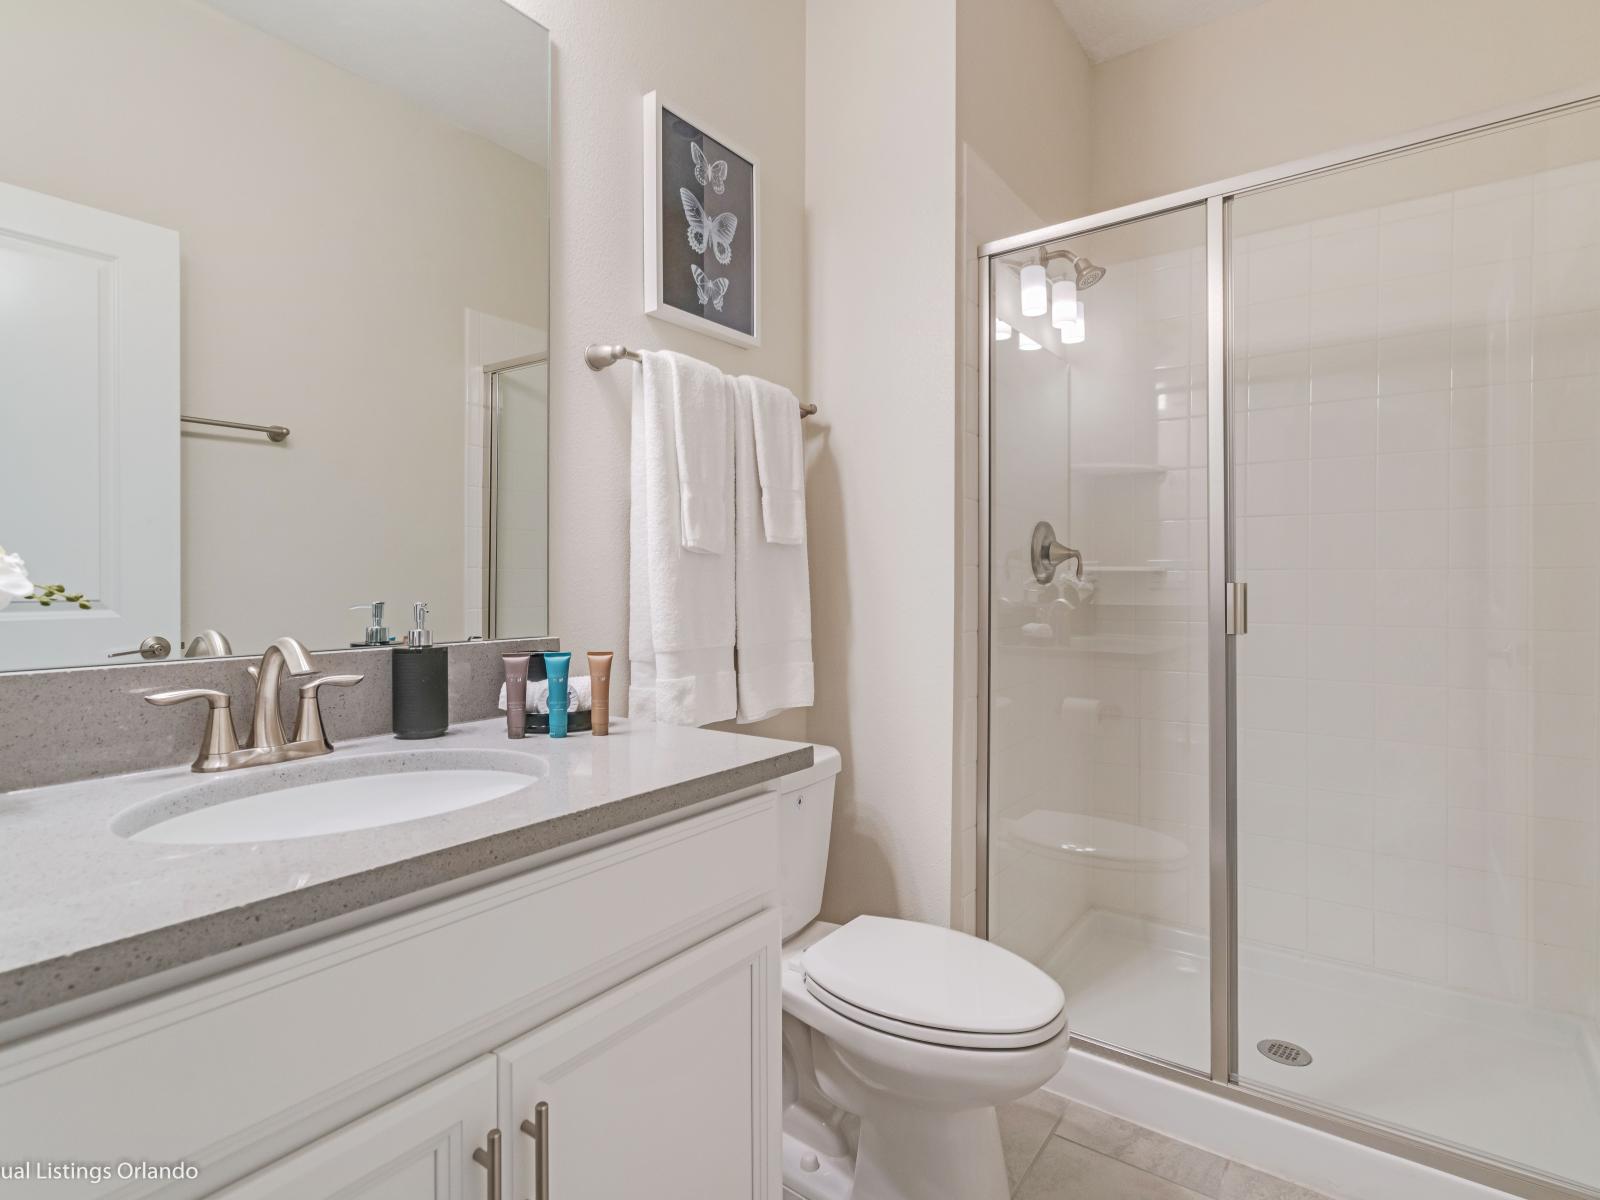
x=900, y=1038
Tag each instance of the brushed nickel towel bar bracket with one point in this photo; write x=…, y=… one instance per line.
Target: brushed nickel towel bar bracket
x=599, y=357
x=275, y=433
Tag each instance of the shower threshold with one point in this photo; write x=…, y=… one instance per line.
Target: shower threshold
x=1486, y=1075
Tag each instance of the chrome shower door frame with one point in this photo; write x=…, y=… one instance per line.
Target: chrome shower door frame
x=1223, y=1077
x=491, y=499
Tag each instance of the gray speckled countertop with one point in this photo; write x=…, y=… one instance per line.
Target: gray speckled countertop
x=83, y=909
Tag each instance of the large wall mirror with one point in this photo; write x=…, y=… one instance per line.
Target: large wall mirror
x=322, y=216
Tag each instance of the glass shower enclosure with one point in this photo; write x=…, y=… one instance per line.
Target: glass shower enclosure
x=1288, y=762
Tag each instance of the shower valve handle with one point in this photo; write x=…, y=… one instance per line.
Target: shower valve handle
x=1046, y=554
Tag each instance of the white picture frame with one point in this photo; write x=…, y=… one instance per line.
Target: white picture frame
x=669, y=303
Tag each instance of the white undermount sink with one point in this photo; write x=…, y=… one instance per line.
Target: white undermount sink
x=327, y=795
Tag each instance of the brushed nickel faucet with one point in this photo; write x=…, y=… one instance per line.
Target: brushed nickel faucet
x=219, y=746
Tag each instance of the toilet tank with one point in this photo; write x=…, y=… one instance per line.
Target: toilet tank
x=807, y=798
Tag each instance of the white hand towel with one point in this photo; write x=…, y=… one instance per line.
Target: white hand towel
x=772, y=585
x=680, y=603
x=780, y=460
x=701, y=428
x=579, y=695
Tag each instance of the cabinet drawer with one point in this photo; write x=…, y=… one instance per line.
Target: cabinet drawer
x=204, y=1072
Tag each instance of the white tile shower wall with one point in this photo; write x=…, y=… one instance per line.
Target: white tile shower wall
x=1419, y=399
x=1139, y=514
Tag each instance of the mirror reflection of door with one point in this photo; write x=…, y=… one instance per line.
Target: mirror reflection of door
x=88, y=449
x=519, y=431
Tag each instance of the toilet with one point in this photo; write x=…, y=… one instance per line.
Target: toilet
x=899, y=1038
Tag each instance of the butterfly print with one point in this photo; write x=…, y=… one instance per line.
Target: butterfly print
x=709, y=174
x=709, y=289
x=703, y=229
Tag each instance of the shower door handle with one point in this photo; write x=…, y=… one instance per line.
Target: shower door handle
x=1238, y=616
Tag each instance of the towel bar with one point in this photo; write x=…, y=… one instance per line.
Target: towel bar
x=599, y=357
x=275, y=433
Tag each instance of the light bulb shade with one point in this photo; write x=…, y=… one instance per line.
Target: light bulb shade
x=1024, y=342
x=1064, y=302
x=1002, y=331
x=1035, y=291
x=1075, y=329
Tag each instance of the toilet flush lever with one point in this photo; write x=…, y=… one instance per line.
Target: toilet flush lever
x=1046, y=554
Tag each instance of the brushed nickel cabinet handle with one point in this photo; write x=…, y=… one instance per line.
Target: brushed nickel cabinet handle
x=539, y=1130
x=489, y=1159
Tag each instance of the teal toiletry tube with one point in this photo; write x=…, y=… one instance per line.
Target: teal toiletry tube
x=555, y=669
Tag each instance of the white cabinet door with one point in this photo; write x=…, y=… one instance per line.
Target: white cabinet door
x=88, y=426
x=667, y=1086
x=418, y=1148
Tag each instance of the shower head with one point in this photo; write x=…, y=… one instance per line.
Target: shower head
x=1087, y=272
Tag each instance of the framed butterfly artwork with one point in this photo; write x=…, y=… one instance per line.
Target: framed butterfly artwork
x=702, y=252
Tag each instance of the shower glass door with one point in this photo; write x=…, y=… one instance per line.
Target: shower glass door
x=517, y=554
x=1099, y=825
x=1346, y=860
x=1415, y=398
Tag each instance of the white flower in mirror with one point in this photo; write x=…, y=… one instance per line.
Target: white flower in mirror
x=14, y=581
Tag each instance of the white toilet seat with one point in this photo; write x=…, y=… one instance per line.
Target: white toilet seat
x=933, y=985
x=932, y=1035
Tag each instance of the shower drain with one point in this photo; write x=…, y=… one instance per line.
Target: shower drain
x=1287, y=1053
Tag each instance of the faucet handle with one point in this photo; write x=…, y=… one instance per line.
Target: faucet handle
x=219, y=739
x=217, y=699
x=308, y=716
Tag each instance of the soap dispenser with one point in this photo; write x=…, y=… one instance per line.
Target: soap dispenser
x=377, y=634
x=421, y=682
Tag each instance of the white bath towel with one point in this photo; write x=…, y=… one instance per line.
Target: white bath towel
x=780, y=460
x=702, y=430
x=680, y=602
x=580, y=696
x=772, y=583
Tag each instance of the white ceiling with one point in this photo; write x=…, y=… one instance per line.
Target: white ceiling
x=479, y=64
x=1107, y=28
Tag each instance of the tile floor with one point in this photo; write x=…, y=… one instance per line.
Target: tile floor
x=1059, y=1150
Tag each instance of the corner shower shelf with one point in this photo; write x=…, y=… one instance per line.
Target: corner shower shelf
x=1116, y=470
x=1153, y=567
x=1096, y=841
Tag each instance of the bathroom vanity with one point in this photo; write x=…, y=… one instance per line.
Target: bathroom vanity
x=570, y=990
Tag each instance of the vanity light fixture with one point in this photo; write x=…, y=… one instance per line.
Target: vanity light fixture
x=1035, y=290
x=1024, y=342
x=1074, y=330
x=1002, y=331
x=1064, y=303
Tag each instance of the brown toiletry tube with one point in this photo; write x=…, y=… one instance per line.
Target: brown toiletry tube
x=516, y=694
x=600, y=691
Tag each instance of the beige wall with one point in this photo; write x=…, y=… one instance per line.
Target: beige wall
x=882, y=310
x=740, y=68
x=311, y=297
x=1023, y=100
x=1290, y=78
